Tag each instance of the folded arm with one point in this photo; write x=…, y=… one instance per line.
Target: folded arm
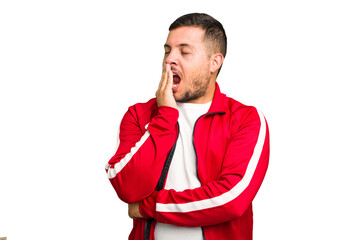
x=243, y=171
x=137, y=164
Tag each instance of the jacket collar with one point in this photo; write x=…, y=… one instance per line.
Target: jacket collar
x=218, y=104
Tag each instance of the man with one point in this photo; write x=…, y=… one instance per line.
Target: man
x=191, y=160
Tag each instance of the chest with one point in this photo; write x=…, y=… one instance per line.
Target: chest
x=211, y=137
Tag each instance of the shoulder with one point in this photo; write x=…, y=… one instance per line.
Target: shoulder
x=229, y=105
x=241, y=114
x=237, y=108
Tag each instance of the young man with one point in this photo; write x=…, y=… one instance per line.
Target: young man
x=191, y=160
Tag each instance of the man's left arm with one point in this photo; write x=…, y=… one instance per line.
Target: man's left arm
x=244, y=167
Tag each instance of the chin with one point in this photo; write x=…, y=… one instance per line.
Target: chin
x=177, y=96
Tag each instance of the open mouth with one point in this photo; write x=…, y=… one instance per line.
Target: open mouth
x=176, y=80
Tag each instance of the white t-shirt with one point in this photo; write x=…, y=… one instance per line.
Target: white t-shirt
x=183, y=170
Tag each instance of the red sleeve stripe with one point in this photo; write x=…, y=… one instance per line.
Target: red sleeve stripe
x=232, y=193
x=112, y=172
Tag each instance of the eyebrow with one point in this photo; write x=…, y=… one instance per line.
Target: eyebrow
x=179, y=45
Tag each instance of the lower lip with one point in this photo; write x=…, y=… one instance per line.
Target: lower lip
x=175, y=87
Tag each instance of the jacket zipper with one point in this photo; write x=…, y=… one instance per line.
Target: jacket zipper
x=197, y=172
x=206, y=114
x=161, y=183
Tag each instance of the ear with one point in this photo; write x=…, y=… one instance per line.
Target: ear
x=216, y=61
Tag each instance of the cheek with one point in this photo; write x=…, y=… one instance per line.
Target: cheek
x=195, y=71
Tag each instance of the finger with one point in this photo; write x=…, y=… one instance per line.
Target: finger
x=166, y=77
x=169, y=83
x=129, y=214
x=162, y=77
x=161, y=81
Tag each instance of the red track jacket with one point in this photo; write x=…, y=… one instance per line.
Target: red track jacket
x=231, y=142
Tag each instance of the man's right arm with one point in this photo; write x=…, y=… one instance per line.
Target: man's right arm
x=137, y=164
x=135, y=168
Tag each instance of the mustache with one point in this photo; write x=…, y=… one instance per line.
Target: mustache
x=176, y=70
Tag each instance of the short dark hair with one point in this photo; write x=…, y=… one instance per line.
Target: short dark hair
x=214, y=31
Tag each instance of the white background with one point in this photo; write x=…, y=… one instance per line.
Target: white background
x=70, y=69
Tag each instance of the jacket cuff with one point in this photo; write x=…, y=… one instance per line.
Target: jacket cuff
x=147, y=207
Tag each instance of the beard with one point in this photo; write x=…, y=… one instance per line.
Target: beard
x=198, y=87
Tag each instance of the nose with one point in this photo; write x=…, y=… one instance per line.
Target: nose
x=171, y=58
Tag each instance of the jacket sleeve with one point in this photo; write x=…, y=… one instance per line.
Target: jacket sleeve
x=137, y=164
x=244, y=167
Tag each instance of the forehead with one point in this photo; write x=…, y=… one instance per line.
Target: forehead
x=185, y=36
